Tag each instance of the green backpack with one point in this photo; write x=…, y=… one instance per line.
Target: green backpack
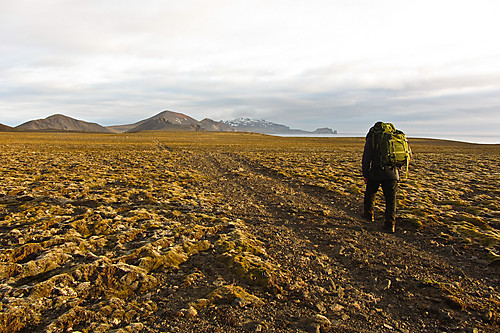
x=391, y=144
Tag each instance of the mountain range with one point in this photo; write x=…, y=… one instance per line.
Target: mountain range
x=171, y=121
x=164, y=121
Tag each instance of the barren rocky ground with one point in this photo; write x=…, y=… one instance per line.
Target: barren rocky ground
x=226, y=232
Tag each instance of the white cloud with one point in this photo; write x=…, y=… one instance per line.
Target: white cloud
x=303, y=63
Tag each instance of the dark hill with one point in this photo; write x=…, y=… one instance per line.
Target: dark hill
x=59, y=122
x=5, y=128
x=167, y=121
x=215, y=126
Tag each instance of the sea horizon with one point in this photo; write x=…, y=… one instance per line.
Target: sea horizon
x=467, y=138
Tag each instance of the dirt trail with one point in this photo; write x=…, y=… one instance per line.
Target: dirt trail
x=410, y=281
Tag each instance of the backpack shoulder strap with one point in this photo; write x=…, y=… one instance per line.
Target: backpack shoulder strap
x=375, y=133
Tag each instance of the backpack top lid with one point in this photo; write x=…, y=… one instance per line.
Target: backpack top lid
x=381, y=127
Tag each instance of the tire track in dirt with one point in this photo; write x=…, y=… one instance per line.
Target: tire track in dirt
x=378, y=278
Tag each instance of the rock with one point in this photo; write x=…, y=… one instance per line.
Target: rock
x=471, y=330
x=445, y=315
x=258, y=327
x=229, y=294
x=340, y=292
x=313, y=328
x=240, y=302
x=488, y=315
x=389, y=327
x=200, y=303
x=318, y=323
x=454, y=302
x=386, y=284
x=320, y=307
x=336, y=308
x=189, y=312
x=25, y=198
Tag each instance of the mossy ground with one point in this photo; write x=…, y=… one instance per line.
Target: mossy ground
x=231, y=232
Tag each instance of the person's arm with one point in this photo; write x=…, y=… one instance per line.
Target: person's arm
x=367, y=157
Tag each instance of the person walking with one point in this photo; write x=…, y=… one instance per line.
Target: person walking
x=376, y=175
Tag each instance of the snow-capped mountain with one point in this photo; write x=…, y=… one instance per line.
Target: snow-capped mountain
x=260, y=126
x=267, y=127
x=247, y=122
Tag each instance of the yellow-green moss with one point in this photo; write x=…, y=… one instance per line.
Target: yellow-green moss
x=482, y=238
x=250, y=268
x=239, y=241
x=228, y=293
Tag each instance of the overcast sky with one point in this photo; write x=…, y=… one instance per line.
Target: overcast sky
x=429, y=66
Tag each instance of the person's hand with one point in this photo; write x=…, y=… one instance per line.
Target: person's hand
x=365, y=179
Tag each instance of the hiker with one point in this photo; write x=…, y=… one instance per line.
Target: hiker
x=384, y=173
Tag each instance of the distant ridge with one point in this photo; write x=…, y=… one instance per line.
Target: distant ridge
x=325, y=130
x=59, y=122
x=5, y=128
x=267, y=127
x=261, y=126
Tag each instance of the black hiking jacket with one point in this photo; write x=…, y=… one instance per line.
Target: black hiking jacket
x=371, y=166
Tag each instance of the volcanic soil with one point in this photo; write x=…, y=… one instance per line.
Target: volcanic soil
x=235, y=232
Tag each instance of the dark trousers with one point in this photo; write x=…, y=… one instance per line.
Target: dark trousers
x=389, y=187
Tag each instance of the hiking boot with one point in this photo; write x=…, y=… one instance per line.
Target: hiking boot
x=367, y=216
x=389, y=227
